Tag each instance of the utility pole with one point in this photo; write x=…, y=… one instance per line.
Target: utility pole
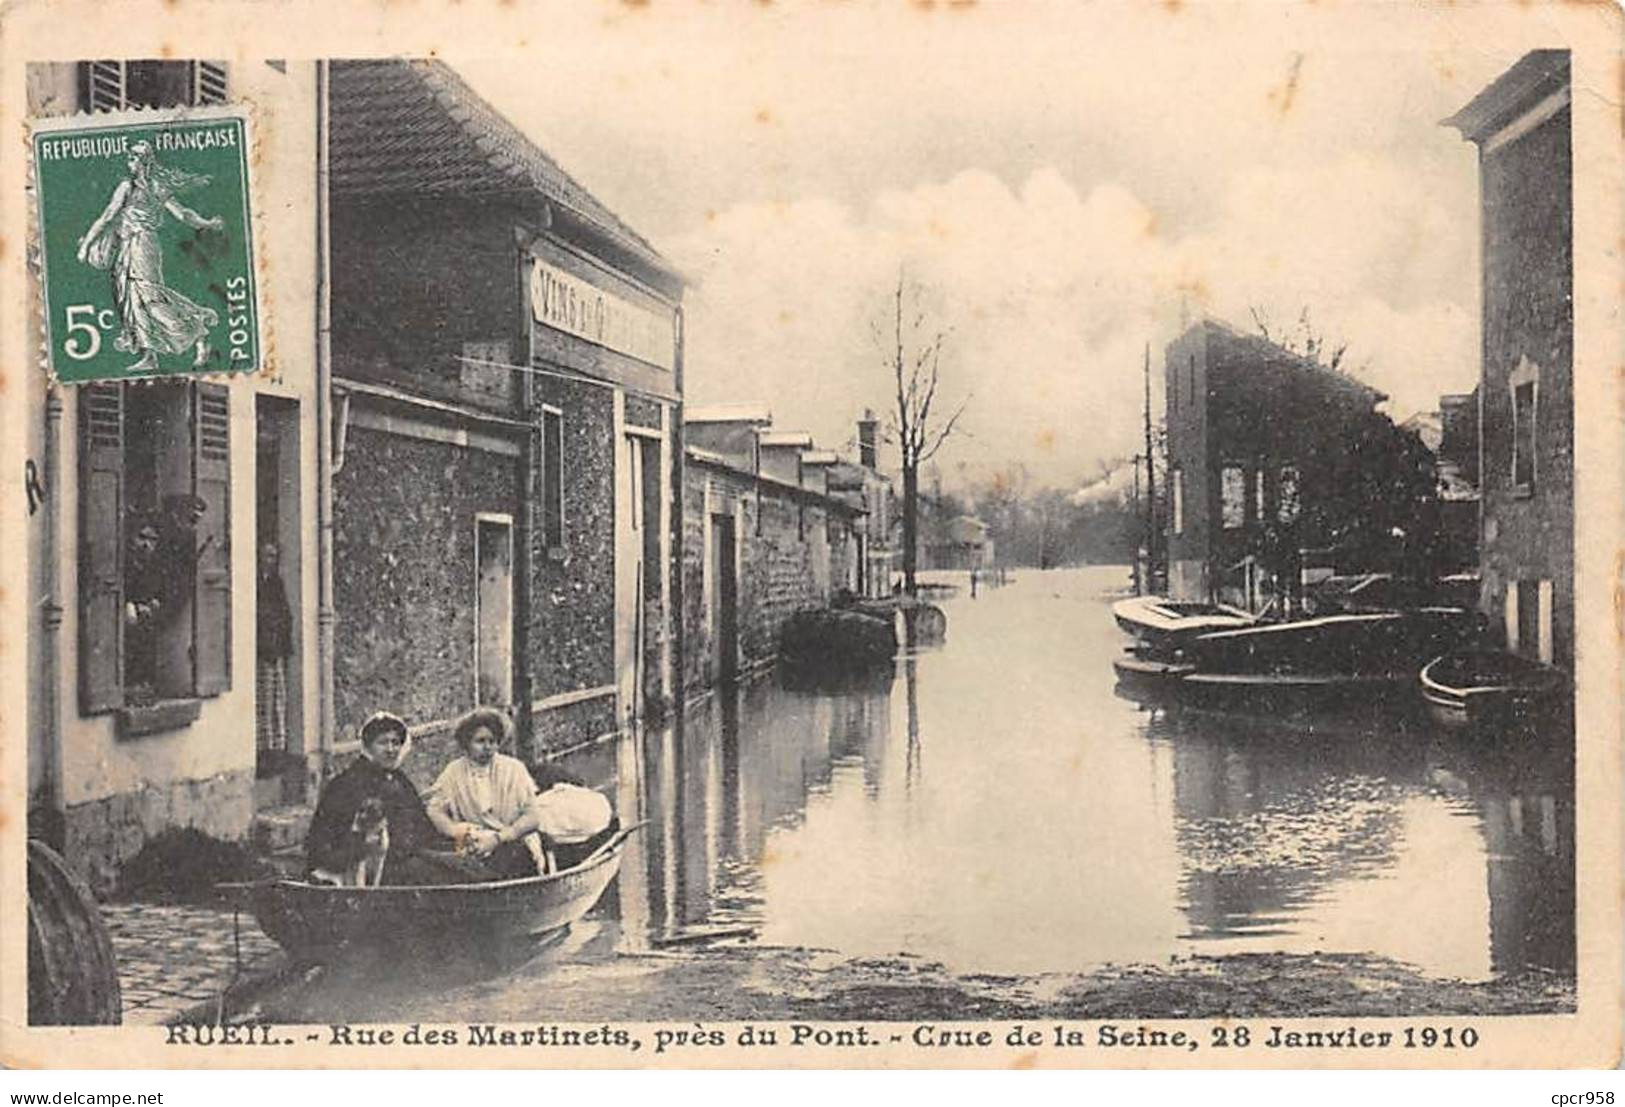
x=1140, y=588
x=1150, y=485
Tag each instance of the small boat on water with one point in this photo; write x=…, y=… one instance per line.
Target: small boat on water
x=1217, y=656
x=1328, y=657
x=1492, y=690
x=315, y=921
x=1160, y=627
x=1162, y=623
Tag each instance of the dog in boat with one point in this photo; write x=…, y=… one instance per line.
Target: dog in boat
x=370, y=832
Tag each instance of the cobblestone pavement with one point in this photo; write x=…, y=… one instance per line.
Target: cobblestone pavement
x=172, y=958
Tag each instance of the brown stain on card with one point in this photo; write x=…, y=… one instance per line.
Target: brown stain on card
x=764, y=116
x=1619, y=595
x=1283, y=97
x=1025, y=1061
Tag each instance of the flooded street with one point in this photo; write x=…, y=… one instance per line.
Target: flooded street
x=998, y=810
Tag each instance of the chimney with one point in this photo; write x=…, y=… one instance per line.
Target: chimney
x=868, y=428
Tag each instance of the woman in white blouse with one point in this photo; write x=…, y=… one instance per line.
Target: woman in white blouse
x=485, y=801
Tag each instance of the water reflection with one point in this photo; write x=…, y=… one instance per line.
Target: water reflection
x=1062, y=827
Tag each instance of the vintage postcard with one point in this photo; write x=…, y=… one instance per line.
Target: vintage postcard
x=891, y=535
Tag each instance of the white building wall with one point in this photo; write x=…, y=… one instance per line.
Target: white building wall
x=119, y=790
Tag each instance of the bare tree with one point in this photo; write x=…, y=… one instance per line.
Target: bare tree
x=1302, y=339
x=913, y=354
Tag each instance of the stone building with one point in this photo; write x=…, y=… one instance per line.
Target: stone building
x=127, y=740
x=868, y=491
x=765, y=536
x=1521, y=126
x=507, y=372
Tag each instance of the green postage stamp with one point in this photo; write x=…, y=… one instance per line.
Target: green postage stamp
x=146, y=244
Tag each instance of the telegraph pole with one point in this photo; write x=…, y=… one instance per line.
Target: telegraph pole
x=1150, y=485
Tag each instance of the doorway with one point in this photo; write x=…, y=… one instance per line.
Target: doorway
x=493, y=610
x=724, y=601
x=280, y=769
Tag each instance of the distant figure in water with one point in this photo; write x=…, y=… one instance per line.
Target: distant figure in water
x=124, y=239
x=973, y=575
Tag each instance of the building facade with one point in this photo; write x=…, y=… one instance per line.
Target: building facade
x=1521, y=126
x=140, y=725
x=1258, y=438
x=766, y=536
x=506, y=367
x=462, y=446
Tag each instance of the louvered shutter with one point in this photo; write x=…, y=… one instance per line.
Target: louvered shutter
x=101, y=547
x=211, y=483
x=105, y=85
x=209, y=82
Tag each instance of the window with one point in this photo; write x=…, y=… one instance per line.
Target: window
x=1287, y=495
x=1179, y=501
x=1258, y=495
x=553, y=478
x=116, y=85
x=1190, y=381
x=155, y=564
x=1525, y=385
x=1232, y=496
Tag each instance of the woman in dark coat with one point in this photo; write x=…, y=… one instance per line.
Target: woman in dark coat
x=336, y=844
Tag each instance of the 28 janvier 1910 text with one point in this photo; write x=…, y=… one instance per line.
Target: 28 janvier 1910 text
x=699, y=1036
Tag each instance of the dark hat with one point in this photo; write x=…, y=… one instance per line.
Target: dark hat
x=380, y=723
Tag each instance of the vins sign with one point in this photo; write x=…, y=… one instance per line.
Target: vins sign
x=569, y=304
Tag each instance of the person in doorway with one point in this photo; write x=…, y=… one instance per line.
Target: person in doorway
x=274, y=639
x=342, y=833
x=485, y=802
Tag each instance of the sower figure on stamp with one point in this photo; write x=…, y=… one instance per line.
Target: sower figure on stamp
x=124, y=238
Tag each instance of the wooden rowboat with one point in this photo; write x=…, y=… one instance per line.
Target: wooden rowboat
x=315, y=921
x=1482, y=689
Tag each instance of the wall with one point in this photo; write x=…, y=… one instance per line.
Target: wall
x=416, y=278
x=1528, y=312
x=403, y=573
x=572, y=618
x=784, y=565
x=120, y=791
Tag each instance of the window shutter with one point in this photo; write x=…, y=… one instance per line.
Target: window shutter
x=101, y=548
x=209, y=83
x=211, y=483
x=105, y=85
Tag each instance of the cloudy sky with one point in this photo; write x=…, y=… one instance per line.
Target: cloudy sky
x=1065, y=187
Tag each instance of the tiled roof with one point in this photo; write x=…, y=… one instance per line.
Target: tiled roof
x=412, y=126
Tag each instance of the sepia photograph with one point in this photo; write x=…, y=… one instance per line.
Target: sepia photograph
x=911, y=535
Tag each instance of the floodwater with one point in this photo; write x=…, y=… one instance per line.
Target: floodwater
x=997, y=808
